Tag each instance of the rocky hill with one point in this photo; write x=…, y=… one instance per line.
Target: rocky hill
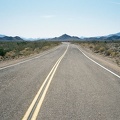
x=66, y=37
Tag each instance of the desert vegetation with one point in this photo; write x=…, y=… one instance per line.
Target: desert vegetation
x=109, y=49
x=14, y=50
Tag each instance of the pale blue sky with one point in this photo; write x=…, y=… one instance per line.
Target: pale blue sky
x=50, y=18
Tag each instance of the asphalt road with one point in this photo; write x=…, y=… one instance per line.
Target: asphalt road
x=76, y=88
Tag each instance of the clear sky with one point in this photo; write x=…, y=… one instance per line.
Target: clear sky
x=50, y=18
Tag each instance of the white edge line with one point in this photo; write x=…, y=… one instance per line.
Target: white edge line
x=27, y=60
x=99, y=64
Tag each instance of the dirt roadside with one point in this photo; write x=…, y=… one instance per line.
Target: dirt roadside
x=24, y=58
x=103, y=60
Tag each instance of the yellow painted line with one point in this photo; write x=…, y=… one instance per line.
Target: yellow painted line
x=37, y=95
x=46, y=89
x=41, y=88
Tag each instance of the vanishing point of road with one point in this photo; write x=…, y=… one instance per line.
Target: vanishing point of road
x=60, y=84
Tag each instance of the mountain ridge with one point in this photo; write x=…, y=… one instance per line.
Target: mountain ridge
x=2, y=35
x=10, y=38
x=65, y=37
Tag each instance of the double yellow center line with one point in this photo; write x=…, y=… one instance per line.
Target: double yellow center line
x=35, y=106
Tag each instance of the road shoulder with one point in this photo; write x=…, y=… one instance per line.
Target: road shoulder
x=105, y=61
x=21, y=59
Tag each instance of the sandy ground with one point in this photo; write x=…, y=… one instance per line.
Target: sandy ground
x=103, y=60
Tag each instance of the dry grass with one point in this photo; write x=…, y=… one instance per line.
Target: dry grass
x=14, y=50
x=108, y=49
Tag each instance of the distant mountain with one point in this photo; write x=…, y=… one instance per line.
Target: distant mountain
x=2, y=35
x=111, y=37
x=116, y=34
x=9, y=38
x=66, y=37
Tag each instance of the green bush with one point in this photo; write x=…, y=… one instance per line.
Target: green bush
x=2, y=52
x=16, y=49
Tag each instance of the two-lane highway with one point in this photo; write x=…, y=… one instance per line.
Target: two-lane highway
x=20, y=83
x=76, y=88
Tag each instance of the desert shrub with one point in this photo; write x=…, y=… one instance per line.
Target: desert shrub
x=10, y=54
x=96, y=48
x=113, y=54
x=102, y=49
x=45, y=47
x=2, y=52
x=107, y=48
x=91, y=46
x=37, y=50
x=118, y=62
x=26, y=51
x=16, y=49
x=108, y=52
x=1, y=58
